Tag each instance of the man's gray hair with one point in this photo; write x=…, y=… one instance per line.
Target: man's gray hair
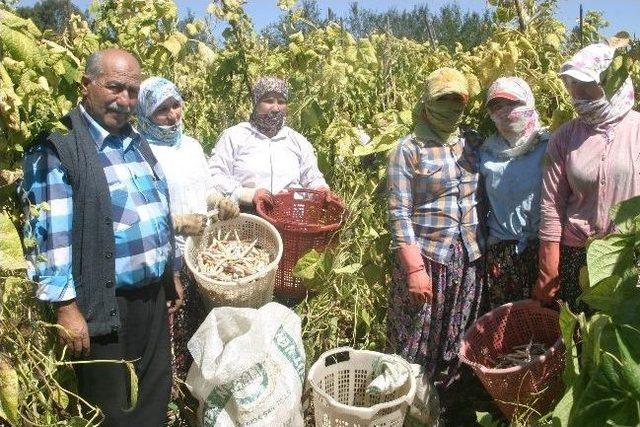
x=94, y=65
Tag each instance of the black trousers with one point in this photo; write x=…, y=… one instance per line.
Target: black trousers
x=143, y=337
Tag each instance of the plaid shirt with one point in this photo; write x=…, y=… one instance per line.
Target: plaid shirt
x=140, y=211
x=432, y=197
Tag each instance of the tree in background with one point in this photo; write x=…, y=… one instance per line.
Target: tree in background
x=195, y=28
x=592, y=26
x=446, y=27
x=309, y=16
x=50, y=14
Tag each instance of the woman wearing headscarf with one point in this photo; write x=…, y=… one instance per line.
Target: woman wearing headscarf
x=263, y=156
x=191, y=192
x=511, y=162
x=593, y=163
x=433, y=219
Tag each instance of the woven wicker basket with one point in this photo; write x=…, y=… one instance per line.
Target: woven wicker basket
x=252, y=291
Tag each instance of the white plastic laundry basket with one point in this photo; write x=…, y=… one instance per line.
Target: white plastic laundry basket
x=339, y=379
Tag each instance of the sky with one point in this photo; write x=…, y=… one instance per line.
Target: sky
x=621, y=14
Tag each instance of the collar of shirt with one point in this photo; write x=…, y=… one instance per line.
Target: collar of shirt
x=282, y=133
x=103, y=137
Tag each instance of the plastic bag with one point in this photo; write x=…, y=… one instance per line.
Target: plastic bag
x=248, y=367
x=425, y=409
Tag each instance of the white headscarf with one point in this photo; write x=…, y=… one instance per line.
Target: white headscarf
x=519, y=126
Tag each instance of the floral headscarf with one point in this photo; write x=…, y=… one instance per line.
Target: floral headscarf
x=268, y=123
x=153, y=92
x=438, y=119
x=518, y=127
x=587, y=65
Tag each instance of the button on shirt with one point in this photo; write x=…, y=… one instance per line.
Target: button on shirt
x=586, y=173
x=140, y=216
x=512, y=186
x=244, y=157
x=432, y=197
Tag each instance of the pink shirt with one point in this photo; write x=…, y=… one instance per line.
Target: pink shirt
x=585, y=175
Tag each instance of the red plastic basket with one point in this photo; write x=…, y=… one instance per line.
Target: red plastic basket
x=305, y=220
x=522, y=390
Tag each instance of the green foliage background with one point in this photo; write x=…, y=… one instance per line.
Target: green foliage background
x=341, y=86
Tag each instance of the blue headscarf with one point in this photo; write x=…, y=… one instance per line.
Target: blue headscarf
x=153, y=92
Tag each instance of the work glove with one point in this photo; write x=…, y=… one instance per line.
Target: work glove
x=262, y=196
x=189, y=224
x=418, y=280
x=548, y=281
x=227, y=208
x=331, y=197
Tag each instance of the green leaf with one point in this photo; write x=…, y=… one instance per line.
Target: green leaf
x=625, y=214
x=568, y=323
x=629, y=368
x=348, y=269
x=311, y=115
x=365, y=316
x=485, y=419
x=373, y=274
x=602, y=398
x=603, y=296
x=562, y=411
x=308, y=265
x=406, y=117
x=9, y=394
x=611, y=255
x=591, y=337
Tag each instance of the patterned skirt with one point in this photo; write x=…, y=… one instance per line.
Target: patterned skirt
x=510, y=276
x=184, y=324
x=430, y=334
x=571, y=260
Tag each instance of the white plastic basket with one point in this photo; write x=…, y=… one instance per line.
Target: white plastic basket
x=251, y=291
x=339, y=379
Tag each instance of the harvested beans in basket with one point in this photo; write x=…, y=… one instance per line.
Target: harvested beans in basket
x=228, y=258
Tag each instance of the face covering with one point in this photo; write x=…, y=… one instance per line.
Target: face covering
x=445, y=115
x=593, y=112
x=515, y=124
x=588, y=65
x=269, y=123
x=436, y=118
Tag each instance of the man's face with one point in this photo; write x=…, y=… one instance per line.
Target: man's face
x=111, y=97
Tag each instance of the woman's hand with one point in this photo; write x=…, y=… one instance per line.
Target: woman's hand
x=419, y=285
x=331, y=197
x=548, y=282
x=175, y=304
x=227, y=209
x=262, y=196
x=189, y=224
x=418, y=280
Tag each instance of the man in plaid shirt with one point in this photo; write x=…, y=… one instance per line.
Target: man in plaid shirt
x=102, y=250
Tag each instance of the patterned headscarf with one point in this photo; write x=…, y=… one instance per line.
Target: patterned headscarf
x=269, y=123
x=587, y=65
x=153, y=92
x=267, y=84
x=438, y=119
x=519, y=126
